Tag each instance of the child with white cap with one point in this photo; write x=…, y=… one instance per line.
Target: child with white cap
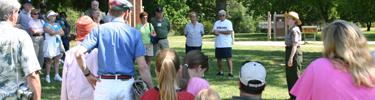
x=252, y=81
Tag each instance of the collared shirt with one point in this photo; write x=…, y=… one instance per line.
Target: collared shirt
x=24, y=19
x=107, y=18
x=16, y=55
x=194, y=34
x=118, y=44
x=146, y=32
x=293, y=36
x=221, y=40
x=36, y=25
x=75, y=85
x=162, y=28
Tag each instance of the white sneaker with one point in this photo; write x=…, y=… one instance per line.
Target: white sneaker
x=57, y=77
x=48, y=79
x=61, y=62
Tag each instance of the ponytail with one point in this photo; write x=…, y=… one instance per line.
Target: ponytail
x=167, y=65
x=184, y=78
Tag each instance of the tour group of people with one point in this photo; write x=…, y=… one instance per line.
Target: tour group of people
x=102, y=65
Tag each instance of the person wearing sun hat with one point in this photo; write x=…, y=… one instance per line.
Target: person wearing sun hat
x=84, y=25
x=71, y=89
x=293, y=53
x=252, y=81
x=119, y=46
x=52, y=47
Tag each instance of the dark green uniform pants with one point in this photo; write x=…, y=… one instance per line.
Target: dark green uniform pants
x=292, y=72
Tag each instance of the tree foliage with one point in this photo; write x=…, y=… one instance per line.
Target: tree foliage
x=243, y=22
x=362, y=11
x=312, y=12
x=176, y=11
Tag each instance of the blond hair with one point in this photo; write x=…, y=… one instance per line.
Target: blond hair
x=167, y=65
x=345, y=44
x=207, y=94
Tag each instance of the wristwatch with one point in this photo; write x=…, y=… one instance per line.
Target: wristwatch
x=87, y=72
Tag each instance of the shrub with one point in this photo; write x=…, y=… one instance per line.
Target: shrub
x=242, y=22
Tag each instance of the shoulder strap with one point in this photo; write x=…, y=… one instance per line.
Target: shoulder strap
x=150, y=27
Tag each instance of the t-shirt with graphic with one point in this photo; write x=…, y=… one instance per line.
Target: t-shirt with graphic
x=223, y=41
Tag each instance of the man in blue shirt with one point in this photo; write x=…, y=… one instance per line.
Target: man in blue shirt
x=118, y=46
x=25, y=16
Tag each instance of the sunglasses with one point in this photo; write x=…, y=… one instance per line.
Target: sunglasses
x=35, y=13
x=221, y=15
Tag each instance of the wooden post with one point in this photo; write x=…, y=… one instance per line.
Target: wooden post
x=136, y=10
x=274, y=25
x=269, y=26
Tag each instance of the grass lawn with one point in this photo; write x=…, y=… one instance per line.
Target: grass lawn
x=271, y=56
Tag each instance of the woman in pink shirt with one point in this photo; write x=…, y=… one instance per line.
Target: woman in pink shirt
x=345, y=72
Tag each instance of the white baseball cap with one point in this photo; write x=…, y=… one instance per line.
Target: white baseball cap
x=253, y=71
x=51, y=13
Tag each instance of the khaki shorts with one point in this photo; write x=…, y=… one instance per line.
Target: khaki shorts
x=38, y=42
x=149, y=50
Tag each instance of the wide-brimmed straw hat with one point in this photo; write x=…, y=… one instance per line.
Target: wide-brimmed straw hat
x=295, y=16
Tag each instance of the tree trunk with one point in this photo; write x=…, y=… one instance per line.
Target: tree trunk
x=221, y=5
x=368, y=26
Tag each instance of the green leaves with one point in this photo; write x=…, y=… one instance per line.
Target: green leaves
x=176, y=12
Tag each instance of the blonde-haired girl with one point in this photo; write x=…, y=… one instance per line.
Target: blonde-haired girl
x=167, y=65
x=346, y=72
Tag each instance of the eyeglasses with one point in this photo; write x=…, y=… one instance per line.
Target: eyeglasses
x=221, y=15
x=35, y=13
